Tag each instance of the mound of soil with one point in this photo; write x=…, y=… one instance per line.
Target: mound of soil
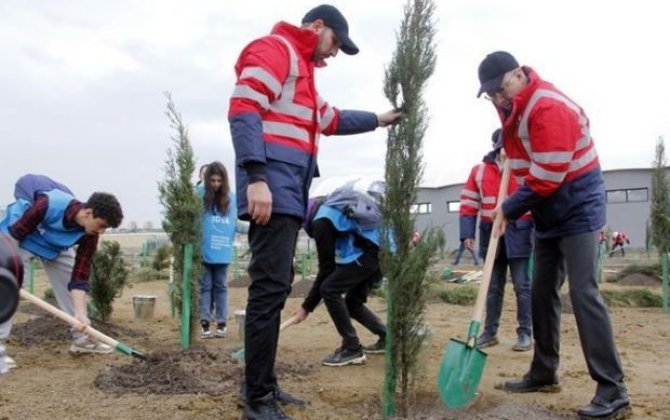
x=47, y=328
x=639, y=279
x=198, y=370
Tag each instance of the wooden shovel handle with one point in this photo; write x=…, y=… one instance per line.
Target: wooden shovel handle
x=489, y=261
x=284, y=325
x=68, y=318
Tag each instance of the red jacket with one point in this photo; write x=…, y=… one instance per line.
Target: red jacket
x=548, y=141
x=276, y=116
x=480, y=197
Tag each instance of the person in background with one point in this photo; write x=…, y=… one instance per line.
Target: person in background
x=478, y=199
x=547, y=139
x=46, y=221
x=201, y=177
x=619, y=240
x=218, y=235
x=471, y=249
x=276, y=117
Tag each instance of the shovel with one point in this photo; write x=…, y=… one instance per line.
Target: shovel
x=122, y=348
x=239, y=354
x=463, y=364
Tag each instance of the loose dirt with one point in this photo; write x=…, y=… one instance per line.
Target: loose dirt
x=203, y=382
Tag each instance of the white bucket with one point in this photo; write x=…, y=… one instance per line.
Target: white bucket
x=144, y=306
x=240, y=318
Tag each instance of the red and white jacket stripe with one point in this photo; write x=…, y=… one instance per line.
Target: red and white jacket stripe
x=562, y=148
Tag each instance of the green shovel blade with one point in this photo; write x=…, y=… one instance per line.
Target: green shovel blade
x=460, y=372
x=122, y=348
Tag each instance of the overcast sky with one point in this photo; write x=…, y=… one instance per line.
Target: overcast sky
x=81, y=83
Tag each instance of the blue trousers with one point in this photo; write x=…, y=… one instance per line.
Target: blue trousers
x=496, y=293
x=214, y=292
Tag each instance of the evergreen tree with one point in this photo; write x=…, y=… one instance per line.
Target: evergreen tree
x=108, y=277
x=406, y=77
x=182, y=209
x=660, y=201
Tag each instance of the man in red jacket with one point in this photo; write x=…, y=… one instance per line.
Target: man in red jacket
x=478, y=199
x=547, y=139
x=276, y=117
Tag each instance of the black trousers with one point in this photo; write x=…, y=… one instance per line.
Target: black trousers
x=593, y=322
x=355, y=281
x=271, y=273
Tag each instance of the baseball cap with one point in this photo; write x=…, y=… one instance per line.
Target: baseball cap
x=493, y=68
x=333, y=19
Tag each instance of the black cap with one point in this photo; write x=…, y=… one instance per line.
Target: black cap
x=493, y=68
x=496, y=139
x=333, y=19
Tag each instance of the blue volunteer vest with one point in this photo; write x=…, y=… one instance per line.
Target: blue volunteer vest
x=51, y=237
x=218, y=234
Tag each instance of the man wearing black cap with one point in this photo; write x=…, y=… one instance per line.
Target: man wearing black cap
x=276, y=117
x=478, y=199
x=547, y=138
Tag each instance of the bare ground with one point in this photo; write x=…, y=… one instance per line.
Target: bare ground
x=202, y=382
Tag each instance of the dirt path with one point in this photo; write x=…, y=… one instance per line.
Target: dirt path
x=52, y=384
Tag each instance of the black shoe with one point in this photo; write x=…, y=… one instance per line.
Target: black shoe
x=486, y=340
x=601, y=409
x=376, y=348
x=523, y=343
x=527, y=384
x=344, y=357
x=285, y=398
x=264, y=408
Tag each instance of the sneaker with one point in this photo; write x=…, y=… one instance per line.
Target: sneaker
x=486, y=340
x=86, y=345
x=221, y=331
x=344, y=357
x=205, y=332
x=265, y=408
x=376, y=348
x=523, y=343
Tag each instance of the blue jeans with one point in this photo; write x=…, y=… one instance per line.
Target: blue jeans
x=214, y=292
x=460, y=254
x=496, y=293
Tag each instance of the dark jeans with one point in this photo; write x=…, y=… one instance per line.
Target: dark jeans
x=593, y=322
x=496, y=293
x=271, y=273
x=355, y=281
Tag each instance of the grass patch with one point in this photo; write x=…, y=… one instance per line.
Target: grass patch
x=460, y=295
x=640, y=298
x=148, y=274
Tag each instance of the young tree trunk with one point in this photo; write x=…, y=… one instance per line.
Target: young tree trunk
x=406, y=266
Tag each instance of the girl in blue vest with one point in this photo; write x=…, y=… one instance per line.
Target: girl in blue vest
x=218, y=235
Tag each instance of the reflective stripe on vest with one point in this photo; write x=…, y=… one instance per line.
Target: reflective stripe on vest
x=284, y=102
x=553, y=157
